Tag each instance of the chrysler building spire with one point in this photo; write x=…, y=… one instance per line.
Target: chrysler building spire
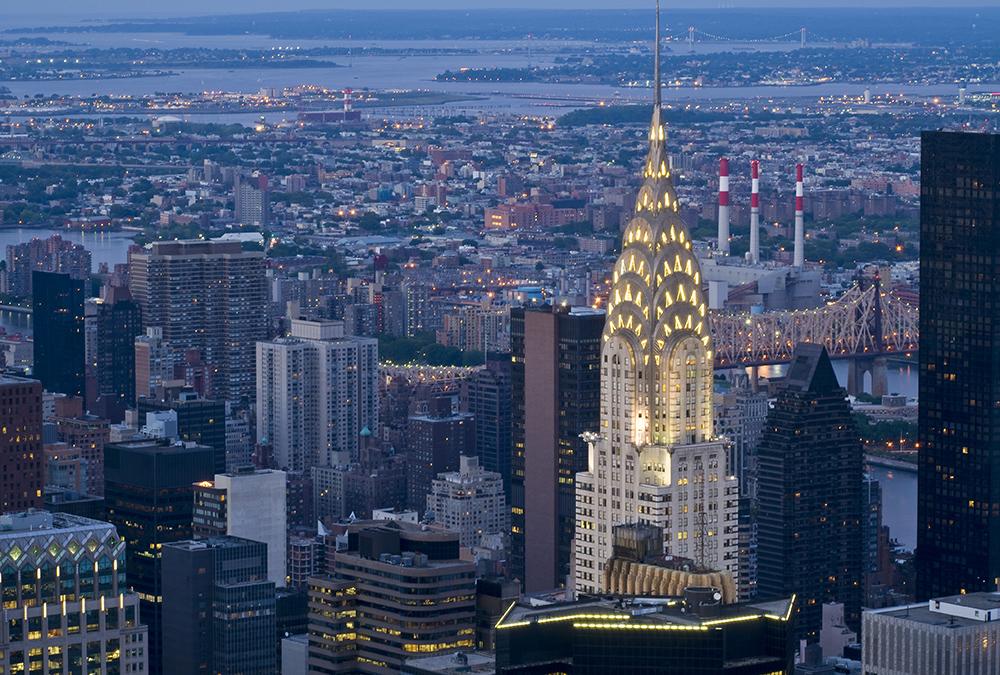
x=656, y=458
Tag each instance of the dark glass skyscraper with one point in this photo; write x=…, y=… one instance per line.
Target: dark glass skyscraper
x=149, y=495
x=489, y=398
x=809, y=536
x=58, y=316
x=958, y=495
x=556, y=379
x=118, y=320
x=199, y=420
x=224, y=580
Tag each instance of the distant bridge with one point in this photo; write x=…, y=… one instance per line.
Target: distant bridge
x=865, y=325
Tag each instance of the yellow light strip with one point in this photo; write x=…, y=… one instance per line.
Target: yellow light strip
x=638, y=626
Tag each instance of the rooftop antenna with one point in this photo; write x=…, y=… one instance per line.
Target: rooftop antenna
x=656, y=63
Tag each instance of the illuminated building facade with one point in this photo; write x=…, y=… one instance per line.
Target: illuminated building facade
x=66, y=603
x=655, y=458
x=661, y=636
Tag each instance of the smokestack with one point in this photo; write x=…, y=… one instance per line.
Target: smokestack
x=724, y=206
x=755, y=212
x=347, y=100
x=799, y=258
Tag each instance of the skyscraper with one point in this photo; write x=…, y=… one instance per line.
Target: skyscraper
x=58, y=315
x=21, y=456
x=316, y=391
x=149, y=496
x=54, y=254
x=811, y=506
x=556, y=383
x=218, y=607
x=958, y=518
x=199, y=420
x=469, y=501
x=117, y=321
x=208, y=296
x=655, y=457
x=436, y=439
x=489, y=398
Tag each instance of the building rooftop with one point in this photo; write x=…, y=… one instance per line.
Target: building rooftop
x=956, y=611
x=660, y=613
x=459, y=662
x=26, y=522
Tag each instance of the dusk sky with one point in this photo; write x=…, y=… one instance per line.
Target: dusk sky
x=61, y=9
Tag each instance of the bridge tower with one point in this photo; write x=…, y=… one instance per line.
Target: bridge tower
x=869, y=357
x=802, y=37
x=691, y=38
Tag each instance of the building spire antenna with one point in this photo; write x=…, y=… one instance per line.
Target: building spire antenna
x=656, y=62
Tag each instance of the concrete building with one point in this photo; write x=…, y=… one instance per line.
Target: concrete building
x=316, y=391
x=252, y=196
x=207, y=296
x=54, y=254
x=154, y=362
x=68, y=605
x=469, y=501
x=21, y=444
x=436, y=438
x=955, y=635
x=248, y=503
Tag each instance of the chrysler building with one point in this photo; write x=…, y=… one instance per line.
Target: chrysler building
x=655, y=458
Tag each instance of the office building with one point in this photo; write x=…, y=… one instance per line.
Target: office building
x=58, y=317
x=469, y=501
x=117, y=320
x=199, y=420
x=21, y=444
x=218, y=608
x=68, y=604
x=378, y=479
x=396, y=591
x=252, y=195
x=955, y=635
x=54, y=254
x=647, y=635
x=417, y=313
x=810, y=520
x=248, y=503
x=958, y=522
x=489, y=397
x=655, y=455
x=436, y=438
x=149, y=497
x=555, y=376
x=208, y=296
x=316, y=391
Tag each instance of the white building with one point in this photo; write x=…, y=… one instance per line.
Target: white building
x=656, y=457
x=256, y=509
x=316, y=391
x=957, y=635
x=469, y=501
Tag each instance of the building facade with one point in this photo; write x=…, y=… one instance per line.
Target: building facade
x=68, y=607
x=956, y=635
x=225, y=581
x=436, y=439
x=958, y=524
x=149, y=497
x=207, y=296
x=555, y=376
x=811, y=517
x=316, y=391
x=57, y=310
x=469, y=501
x=655, y=456
x=22, y=479
x=489, y=397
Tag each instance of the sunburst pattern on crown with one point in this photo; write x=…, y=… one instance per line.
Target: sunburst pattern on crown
x=657, y=311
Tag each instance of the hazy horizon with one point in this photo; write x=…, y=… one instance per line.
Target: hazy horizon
x=69, y=10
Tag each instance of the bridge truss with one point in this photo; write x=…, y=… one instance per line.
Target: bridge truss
x=865, y=321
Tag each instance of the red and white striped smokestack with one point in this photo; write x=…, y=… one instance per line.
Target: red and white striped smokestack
x=724, y=206
x=799, y=257
x=755, y=212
